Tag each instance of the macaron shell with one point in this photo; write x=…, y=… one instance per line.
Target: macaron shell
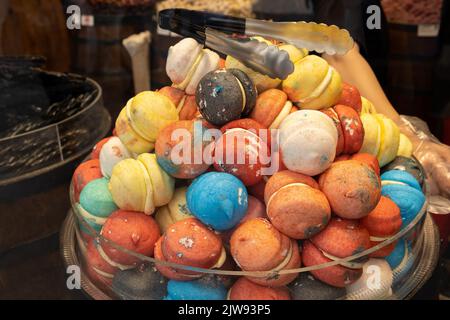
x=112, y=153
x=372, y=134
x=337, y=276
x=390, y=140
x=85, y=173
x=308, y=150
x=181, y=58
x=209, y=62
x=402, y=177
x=268, y=105
x=167, y=271
x=251, y=93
x=409, y=165
x=257, y=246
x=244, y=289
x=96, y=199
x=310, y=118
x=284, y=178
x=368, y=159
x=341, y=141
x=130, y=138
x=189, y=242
x=133, y=231
x=284, y=279
x=192, y=135
x=151, y=112
x=352, y=188
x=98, y=270
x=306, y=287
x=295, y=54
x=174, y=94
x=342, y=238
x=95, y=154
x=189, y=110
x=127, y=186
x=163, y=184
x=352, y=128
x=329, y=97
x=351, y=97
x=218, y=199
x=299, y=211
x=206, y=288
x=308, y=74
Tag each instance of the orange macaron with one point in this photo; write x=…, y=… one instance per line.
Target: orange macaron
x=256, y=245
x=295, y=205
x=244, y=289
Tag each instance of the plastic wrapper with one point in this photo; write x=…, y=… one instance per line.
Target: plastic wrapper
x=432, y=154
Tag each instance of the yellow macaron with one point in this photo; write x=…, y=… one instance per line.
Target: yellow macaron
x=405, y=147
x=367, y=106
x=372, y=134
x=141, y=185
x=390, y=140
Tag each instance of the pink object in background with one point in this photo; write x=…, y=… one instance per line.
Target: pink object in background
x=413, y=11
x=439, y=207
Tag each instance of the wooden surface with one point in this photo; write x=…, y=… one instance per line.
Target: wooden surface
x=37, y=27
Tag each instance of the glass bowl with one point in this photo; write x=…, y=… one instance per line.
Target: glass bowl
x=419, y=258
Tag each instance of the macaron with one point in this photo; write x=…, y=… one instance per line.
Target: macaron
x=95, y=154
x=314, y=84
x=186, y=106
x=350, y=97
x=402, y=188
x=399, y=258
x=206, y=288
x=382, y=223
x=144, y=116
x=187, y=62
x=224, y=95
x=295, y=205
x=375, y=283
x=184, y=148
x=112, y=152
x=349, y=123
x=382, y=137
x=306, y=287
x=271, y=108
x=176, y=210
x=219, y=200
x=141, y=283
x=257, y=246
x=308, y=141
x=131, y=230
x=98, y=269
x=409, y=165
x=244, y=289
x=352, y=188
x=189, y=243
x=242, y=153
x=141, y=185
x=96, y=204
x=85, y=173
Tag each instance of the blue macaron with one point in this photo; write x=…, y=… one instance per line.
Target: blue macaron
x=206, y=288
x=402, y=188
x=409, y=165
x=400, y=259
x=218, y=199
x=96, y=203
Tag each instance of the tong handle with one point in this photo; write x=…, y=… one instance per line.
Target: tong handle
x=191, y=23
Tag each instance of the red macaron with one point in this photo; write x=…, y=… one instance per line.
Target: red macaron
x=85, y=173
x=244, y=289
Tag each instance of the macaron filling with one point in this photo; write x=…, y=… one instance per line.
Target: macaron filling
x=149, y=206
x=285, y=111
x=187, y=79
x=89, y=217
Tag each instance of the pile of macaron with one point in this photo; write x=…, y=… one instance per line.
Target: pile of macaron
x=308, y=190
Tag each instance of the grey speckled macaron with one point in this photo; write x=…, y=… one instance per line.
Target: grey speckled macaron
x=225, y=95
